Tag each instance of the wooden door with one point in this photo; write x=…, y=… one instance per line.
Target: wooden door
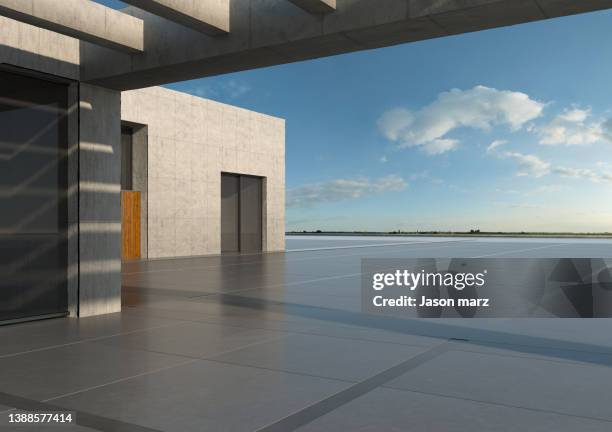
x=130, y=225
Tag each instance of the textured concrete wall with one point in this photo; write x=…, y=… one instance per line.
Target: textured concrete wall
x=30, y=47
x=191, y=141
x=99, y=201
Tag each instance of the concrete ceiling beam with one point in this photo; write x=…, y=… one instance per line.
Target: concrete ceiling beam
x=210, y=17
x=81, y=19
x=272, y=32
x=316, y=6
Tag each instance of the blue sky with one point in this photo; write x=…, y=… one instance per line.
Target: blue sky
x=506, y=129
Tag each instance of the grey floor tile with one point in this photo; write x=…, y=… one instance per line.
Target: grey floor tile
x=205, y=396
x=576, y=389
x=192, y=339
x=50, y=373
x=544, y=353
x=262, y=320
x=345, y=359
x=386, y=410
x=48, y=333
x=372, y=334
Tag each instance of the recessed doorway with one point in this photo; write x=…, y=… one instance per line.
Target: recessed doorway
x=241, y=213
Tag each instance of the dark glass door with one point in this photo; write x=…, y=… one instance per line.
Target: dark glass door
x=250, y=214
x=33, y=197
x=241, y=213
x=230, y=213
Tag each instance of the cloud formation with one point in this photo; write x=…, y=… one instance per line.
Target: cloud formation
x=478, y=108
x=530, y=165
x=574, y=127
x=582, y=173
x=495, y=145
x=342, y=189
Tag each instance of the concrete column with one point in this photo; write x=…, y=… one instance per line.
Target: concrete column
x=99, y=201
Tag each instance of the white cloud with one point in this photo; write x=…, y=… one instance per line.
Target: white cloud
x=439, y=146
x=582, y=173
x=383, y=159
x=479, y=108
x=573, y=128
x=575, y=115
x=528, y=165
x=495, y=145
x=342, y=189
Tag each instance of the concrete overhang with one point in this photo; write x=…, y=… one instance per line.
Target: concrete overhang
x=316, y=6
x=271, y=32
x=210, y=17
x=81, y=19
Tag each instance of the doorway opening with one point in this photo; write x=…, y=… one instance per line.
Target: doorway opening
x=33, y=198
x=241, y=213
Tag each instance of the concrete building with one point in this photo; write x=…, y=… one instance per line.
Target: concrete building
x=210, y=176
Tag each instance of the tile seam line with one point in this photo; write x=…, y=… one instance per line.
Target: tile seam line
x=483, y=342
x=181, y=322
x=477, y=341
x=281, y=261
x=522, y=250
x=43, y=406
x=539, y=410
x=542, y=357
x=306, y=333
x=343, y=380
x=309, y=281
x=120, y=380
x=289, y=284
x=186, y=362
x=370, y=384
x=581, y=363
x=434, y=246
x=196, y=360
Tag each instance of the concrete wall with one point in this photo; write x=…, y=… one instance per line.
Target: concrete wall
x=99, y=201
x=37, y=49
x=191, y=141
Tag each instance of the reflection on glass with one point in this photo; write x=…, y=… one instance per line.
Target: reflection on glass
x=33, y=187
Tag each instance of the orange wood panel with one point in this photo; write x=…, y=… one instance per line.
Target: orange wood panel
x=130, y=225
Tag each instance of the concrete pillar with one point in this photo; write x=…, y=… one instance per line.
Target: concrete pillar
x=99, y=201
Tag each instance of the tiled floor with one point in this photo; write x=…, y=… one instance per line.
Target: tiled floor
x=277, y=342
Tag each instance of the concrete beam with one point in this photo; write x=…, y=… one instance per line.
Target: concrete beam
x=271, y=32
x=316, y=6
x=81, y=19
x=210, y=17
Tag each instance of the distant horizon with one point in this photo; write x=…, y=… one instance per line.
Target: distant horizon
x=440, y=232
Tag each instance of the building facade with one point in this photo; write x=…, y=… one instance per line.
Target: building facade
x=208, y=178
